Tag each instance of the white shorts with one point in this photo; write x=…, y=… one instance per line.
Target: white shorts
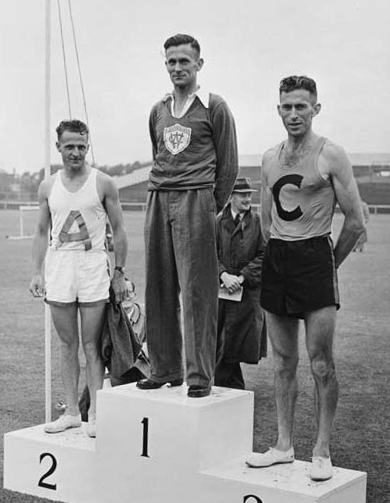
x=76, y=277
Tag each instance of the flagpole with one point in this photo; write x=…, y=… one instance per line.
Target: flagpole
x=47, y=174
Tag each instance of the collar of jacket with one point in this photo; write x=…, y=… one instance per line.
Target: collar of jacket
x=201, y=93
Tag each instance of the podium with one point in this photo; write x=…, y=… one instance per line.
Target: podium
x=159, y=446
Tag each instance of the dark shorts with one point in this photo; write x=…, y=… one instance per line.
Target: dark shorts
x=299, y=276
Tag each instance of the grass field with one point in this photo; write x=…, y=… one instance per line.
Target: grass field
x=361, y=431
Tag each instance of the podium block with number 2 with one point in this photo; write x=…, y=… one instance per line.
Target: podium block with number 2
x=160, y=446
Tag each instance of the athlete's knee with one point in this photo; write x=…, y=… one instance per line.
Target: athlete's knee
x=91, y=350
x=285, y=365
x=323, y=368
x=69, y=345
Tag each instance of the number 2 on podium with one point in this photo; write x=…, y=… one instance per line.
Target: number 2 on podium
x=49, y=472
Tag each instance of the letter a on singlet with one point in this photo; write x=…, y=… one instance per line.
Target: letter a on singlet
x=82, y=235
x=294, y=214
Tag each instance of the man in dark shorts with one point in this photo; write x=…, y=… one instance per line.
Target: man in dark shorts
x=302, y=180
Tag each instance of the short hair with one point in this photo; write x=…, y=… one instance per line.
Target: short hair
x=182, y=39
x=74, y=126
x=294, y=82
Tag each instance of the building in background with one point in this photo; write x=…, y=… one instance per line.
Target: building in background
x=372, y=173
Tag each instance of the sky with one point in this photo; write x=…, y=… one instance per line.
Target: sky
x=248, y=46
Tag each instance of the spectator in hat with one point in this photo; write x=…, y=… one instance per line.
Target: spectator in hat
x=241, y=328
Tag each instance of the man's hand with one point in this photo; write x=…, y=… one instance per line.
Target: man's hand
x=231, y=282
x=37, y=286
x=119, y=285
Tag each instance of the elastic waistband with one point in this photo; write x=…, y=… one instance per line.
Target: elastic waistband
x=281, y=242
x=64, y=250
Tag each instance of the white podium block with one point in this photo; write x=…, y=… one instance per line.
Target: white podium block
x=285, y=483
x=165, y=438
x=57, y=467
x=160, y=446
x=165, y=425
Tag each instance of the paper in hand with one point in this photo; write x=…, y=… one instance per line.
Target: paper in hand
x=235, y=296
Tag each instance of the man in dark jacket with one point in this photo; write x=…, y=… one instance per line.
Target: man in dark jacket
x=241, y=325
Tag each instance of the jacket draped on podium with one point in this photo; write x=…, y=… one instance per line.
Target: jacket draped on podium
x=242, y=333
x=120, y=345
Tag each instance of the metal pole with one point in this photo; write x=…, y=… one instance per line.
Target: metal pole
x=47, y=174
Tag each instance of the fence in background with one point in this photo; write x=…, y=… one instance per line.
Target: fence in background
x=15, y=205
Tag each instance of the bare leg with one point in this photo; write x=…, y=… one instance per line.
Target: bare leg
x=283, y=333
x=65, y=323
x=92, y=319
x=320, y=328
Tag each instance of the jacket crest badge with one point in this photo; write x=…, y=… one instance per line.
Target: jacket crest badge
x=177, y=138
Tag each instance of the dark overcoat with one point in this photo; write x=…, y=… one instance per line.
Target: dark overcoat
x=241, y=325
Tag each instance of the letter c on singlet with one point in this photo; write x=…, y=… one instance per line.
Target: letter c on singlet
x=287, y=180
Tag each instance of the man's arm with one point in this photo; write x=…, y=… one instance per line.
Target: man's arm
x=265, y=201
x=40, y=240
x=152, y=131
x=225, y=142
x=115, y=217
x=347, y=196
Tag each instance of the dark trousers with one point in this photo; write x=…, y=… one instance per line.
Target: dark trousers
x=229, y=375
x=181, y=257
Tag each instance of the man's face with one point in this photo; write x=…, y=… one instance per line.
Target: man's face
x=183, y=64
x=73, y=148
x=297, y=109
x=241, y=201
x=128, y=303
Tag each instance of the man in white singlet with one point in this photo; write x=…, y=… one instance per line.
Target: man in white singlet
x=302, y=179
x=74, y=205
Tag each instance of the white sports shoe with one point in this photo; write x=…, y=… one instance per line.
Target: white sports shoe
x=63, y=423
x=91, y=428
x=321, y=468
x=269, y=458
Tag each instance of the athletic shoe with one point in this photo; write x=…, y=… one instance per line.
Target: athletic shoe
x=63, y=423
x=269, y=458
x=91, y=428
x=321, y=468
x=150, y=384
